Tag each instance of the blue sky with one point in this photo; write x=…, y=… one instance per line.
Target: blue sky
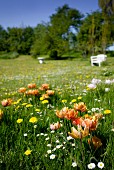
x=18, y=13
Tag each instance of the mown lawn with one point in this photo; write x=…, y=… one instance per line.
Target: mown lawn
x=57, y=115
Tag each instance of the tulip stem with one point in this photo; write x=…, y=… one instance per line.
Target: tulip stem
x=81, y=147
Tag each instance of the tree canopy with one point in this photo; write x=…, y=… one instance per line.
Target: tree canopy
x=68, y=30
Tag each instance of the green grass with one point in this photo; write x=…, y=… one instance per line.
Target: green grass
x=69, y=80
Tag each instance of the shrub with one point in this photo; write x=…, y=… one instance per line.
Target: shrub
x=53, y=54
x=10, y=55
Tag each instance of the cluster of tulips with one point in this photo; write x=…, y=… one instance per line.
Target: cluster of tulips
x=84, y=124
x=33, y=90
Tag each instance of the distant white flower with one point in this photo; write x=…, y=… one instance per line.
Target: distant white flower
x=57, y=141
x=95, y=109
x=54, y=149
x=74, y=164
x=49, y=145
x=31, y=113
x=45, y=134
x=64, y=143
x=91, y=86
x=52, y=131
x=95, y=81
x=52, y=156
x=69, y=138
x=41, y=134
x=91, y=166
x=47, y=138
x=25, y=134
x=35, y=126
x=100, y=165
x=107, y=89
x=37, y=135
x=99, y=100
x=73, y=144
x=84, y=91
x=112, y=130
x=61, y=133
x=59, y=146
x=108, y=82
x=48, y=151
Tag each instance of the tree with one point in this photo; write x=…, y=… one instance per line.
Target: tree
x=15, y=38
x=61, y=24
x=40, y=43
x=90, y=33
x=107, y=6
x=20, y=39
x=26, y=40
x=3, y=39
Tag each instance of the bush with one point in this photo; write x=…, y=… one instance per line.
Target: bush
x=53, y=54
x=10, y=55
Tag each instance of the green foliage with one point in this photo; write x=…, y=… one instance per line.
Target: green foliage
x=107, y=72
x=107, y=6
x=68, y=30
x=10, y=55
x=61, y=24
x=53, y=54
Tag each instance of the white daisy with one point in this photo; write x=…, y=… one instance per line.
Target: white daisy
x=91, y=166
x=52, y=156
x=74, y=164
x=100, y=165
x=48, y=151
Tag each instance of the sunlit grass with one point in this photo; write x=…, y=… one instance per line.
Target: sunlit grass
x=35, y=134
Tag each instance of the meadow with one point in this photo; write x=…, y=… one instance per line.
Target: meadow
x=57, y=115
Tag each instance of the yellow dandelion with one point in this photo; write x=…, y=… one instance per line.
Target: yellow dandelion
x=19, y=120
x=73, y=100
x=17, y=107
x=33, y=120
x=15, y=103
x=79, y=98
x=107, y=111
x=28, y=152
x=23, y=104
x=29, y=105
x=64, y=101
x=37, y=110
x=41, y=98
x=45, y=101
x=19, y=100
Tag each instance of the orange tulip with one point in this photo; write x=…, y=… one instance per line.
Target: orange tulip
x=50, y=92
x=45, y=96
x=90, y=123
x=44, y=87
x=32, y=85
x=32, y=92
x=22, y=90
x=55, y=126
x=79, y=133
x=77, y=121
x=71, y=114
x=80, y=107
x=62, y=112
x=95, y=141
x=6, y=102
